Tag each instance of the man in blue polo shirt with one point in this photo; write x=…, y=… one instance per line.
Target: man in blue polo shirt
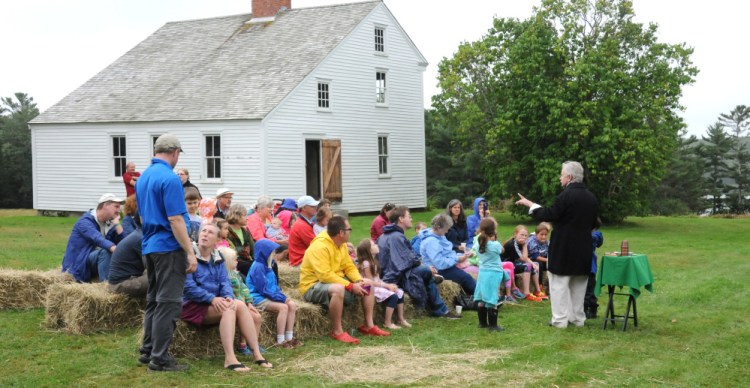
x=168, y=252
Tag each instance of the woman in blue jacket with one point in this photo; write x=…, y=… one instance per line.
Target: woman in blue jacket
x=267, y=296
x=208, y=299
x=438, y=252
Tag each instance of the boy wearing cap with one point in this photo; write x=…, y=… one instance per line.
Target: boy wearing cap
x=93, y=240
x=302, y=232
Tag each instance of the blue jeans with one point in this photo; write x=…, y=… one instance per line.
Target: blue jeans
x=98, y=262
x=434, y=300
x=457, y=275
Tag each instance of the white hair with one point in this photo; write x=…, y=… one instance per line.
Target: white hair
x=574, y=170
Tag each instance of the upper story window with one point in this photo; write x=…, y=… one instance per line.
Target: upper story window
x=119, y=155
x=379, y=39
x=380, y=86
x=383, y=154
x=324, y=97
x=213, y=156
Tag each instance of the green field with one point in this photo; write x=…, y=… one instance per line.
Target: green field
x=693, y=330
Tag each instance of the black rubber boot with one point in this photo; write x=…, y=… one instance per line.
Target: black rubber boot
x=482, y=314
x=492, y=318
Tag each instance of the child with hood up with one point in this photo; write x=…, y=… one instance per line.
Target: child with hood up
x=267, y=296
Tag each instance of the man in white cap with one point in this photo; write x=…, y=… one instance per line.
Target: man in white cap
x=93, y=240
x=302, y=232
x=223, y=202
x=168, y=252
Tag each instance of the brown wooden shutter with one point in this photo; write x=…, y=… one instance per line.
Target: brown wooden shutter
x=332, y=189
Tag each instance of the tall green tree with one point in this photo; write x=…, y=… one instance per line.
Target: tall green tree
x=738, y=121
x=15, y=150
x=451, y=169
x=578, y=80
x=682, y=188
x=714, y=151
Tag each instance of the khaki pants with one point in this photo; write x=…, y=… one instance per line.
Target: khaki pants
x=566, y=296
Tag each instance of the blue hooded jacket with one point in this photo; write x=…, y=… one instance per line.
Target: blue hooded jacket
x=210, y=279
x=261, y=280
x=472, y=221
x=436, y=250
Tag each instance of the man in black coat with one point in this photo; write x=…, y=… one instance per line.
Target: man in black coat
x=573, y=216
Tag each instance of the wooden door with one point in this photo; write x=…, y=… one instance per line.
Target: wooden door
x=332, y=189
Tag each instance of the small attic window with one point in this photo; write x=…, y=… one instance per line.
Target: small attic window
x=379, y=39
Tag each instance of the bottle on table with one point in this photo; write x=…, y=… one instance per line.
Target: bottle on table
x=624, y=249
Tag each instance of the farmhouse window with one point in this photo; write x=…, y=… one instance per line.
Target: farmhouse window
x=380, y=87
x=383, y=154
x=119, y=155
x=380, y=39
x=324, y=98
x=213, y=156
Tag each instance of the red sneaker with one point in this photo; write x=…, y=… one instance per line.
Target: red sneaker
x=374, y=330
x=346, y=338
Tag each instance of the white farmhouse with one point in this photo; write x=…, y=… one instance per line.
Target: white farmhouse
x=325, y=101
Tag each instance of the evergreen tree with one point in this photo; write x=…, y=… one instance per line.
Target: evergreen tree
x=15, y=151
x=714, y=151
x=738, y=121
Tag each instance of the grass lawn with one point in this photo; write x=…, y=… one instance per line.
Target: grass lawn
x=693, y=330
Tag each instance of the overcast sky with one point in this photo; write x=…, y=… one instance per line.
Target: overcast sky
x=50, y=47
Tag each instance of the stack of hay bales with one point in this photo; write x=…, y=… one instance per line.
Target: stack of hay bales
x=312, y=320
x=82, y=308
x=28, y=289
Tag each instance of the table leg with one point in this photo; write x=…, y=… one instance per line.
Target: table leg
x=635, y=312
x=609, y=315
x=627, y=313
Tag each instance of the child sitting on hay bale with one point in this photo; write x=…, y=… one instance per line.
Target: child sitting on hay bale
x=384, y=292
x=208, y=299
x=242, y=294
x=267, y=296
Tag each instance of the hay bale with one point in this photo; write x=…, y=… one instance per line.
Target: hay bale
x=193, y=342
x=28, y=289
x=448, y=292
x=84, y=308
x=288, y=277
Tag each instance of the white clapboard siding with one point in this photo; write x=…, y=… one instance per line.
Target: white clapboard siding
x=73, y=162
x=357, y=121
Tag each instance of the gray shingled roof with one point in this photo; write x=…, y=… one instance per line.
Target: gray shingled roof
x=210, y=69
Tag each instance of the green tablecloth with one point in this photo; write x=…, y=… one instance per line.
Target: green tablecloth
x=632, y=271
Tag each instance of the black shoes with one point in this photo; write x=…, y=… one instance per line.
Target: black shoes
x=171, y=367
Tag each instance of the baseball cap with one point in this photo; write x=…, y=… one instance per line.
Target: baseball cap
x=306, y=200
x=167, y=142
x=109, y=197
x=223, y=191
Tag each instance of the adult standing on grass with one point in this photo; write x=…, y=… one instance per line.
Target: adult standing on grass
x=329, y=277
x=168, y=251
x=573, y=216
x=93, y=240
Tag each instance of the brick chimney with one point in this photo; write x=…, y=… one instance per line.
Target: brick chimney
x=269, y=8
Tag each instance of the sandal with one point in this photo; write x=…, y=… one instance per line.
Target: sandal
x=263, y=363
x=345, y=337
x=404, y=324
x=392, y=326
x=234, y=368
